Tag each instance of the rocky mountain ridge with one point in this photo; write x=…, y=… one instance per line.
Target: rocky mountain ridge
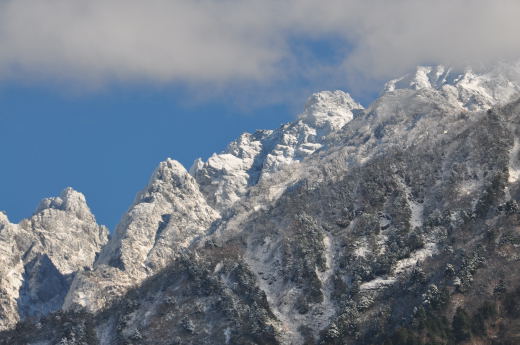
x=306, y=233
x=41, y=255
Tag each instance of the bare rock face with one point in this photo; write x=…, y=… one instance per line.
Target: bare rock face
x=41, y=254
x=167, y=216
x=70, y=235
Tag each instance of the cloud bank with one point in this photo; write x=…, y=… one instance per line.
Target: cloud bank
x=227, y=41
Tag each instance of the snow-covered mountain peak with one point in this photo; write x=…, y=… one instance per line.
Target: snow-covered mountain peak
x=4, y=220
x=70, y=201
x=331, y=109
x=423, y=77
x=40, y=255
x=197, y=165
x=225, y=177
x=169, y=174
x=247, y=144
x=169, y=170
x=472, y=89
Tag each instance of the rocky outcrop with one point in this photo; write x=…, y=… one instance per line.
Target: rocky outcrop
x=165, y=219
x=41, y=255
x=226, y=177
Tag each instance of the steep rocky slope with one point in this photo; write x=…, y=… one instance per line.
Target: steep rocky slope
x=225, y=177
x=179, y=207
x=394, y=224
x=40, y=255
x=166, y=217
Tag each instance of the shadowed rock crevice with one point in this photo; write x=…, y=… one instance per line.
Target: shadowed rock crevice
x=43, y=289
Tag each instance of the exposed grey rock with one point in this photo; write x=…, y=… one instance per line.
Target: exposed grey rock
x=225, y=177
x=40, y=255
x=166, y=217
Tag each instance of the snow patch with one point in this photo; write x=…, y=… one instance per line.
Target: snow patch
x=401, y=266
x=282, y=296
x=377, y=283
x=325, y=278
x=417, y=209
x=514, y=163
x=420, y=255
x=262, y=259
x=469, y=186
x=227, y=335
x=361, y=250
x=218, y=267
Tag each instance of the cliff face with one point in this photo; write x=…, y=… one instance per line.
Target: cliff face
x=394, y=224
x=41, y=255
x=226, y=177
x=165, y=219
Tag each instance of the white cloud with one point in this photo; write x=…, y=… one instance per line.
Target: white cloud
x=229, y=41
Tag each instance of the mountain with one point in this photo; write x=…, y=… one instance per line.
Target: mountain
x=394, y=224
x=41, y=255
x=225, y=177
x=165, y=219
